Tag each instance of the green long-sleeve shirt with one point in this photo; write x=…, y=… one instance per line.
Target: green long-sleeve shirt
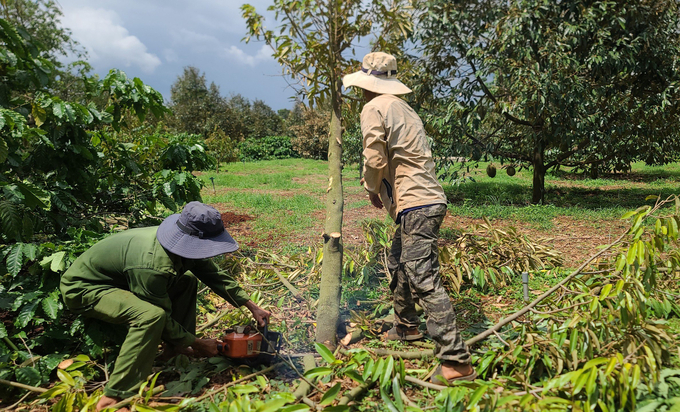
x=134, y=260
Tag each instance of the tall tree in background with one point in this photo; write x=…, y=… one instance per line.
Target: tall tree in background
x=312, y=43
x=264, y=121
x=590, y=84
x=42, y=20
x=194, y=103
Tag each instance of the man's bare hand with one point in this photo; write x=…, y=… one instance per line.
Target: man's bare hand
x=260, y=315
x=375, y=200
x=205, y=348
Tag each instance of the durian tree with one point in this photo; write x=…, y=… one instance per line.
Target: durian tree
x=593, y=85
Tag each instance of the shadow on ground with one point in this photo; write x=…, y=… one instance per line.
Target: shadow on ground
x=512, y=194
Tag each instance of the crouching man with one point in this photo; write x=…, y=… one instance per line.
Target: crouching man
x=141, y=278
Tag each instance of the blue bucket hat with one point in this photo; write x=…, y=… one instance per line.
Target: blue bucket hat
x=196, y=233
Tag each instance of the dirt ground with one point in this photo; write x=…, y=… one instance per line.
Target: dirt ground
x=574, y=239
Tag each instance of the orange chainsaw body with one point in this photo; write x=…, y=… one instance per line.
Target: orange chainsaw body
x=242, y=345
x=249, y=344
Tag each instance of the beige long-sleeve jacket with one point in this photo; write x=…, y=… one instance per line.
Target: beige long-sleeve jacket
x=398, y=162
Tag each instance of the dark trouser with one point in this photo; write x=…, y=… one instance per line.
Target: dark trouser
x=414, y=266
x=146, y=323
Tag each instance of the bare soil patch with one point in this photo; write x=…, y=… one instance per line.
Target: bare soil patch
x=311, y=179
x=229, y=218
x=574, y=238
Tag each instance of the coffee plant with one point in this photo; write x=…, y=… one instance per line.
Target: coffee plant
x=69, y=170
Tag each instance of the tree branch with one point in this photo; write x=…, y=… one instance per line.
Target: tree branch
x=22, y=386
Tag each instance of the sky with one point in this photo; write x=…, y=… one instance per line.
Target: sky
x=155, y=39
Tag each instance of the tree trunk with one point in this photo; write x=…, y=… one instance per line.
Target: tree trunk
x=328, y=309
x=538, y=195
x=361, y=166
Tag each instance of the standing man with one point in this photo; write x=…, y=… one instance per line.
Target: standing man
x=140, y=277
x=399, y=175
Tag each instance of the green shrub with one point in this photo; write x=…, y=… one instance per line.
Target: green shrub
x=311, y=134
x=267, y=148
x=186, y=152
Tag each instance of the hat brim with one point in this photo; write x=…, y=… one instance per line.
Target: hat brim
x=375, y=84
x=191, y=247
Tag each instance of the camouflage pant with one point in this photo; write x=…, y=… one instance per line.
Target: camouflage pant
x=414, y=266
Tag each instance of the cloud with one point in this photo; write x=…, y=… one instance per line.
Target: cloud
x=170, y=56
x=189, y=37
x=107, y=41
x=239, y=56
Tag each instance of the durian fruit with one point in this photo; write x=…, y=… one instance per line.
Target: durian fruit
x=510, y=171
x=491, y=170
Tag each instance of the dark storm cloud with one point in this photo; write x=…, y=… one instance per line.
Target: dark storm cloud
x=155, y=39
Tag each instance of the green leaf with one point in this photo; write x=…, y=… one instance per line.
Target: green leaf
x=142, y=408
x=4, y=150
x=337, y=408
x=632, y=254
x=39, y=114
x=573, y=340
x=295, y=408
x=55, y=391
x=386, y=376
x=325, y=353
x=34, y=196
x=30, y=251
x=273, y=405
x=354, y=375
x=49, y=362
x=396, y=391
x=476, y=396
x=650, y=407
x=605, y=291
x=318, y=372
x=15, y=259
x=582, y=380
x=330, y=395
x=58, y=108
x=388, y=402
x=595, y=362
x=26, y=314
x=50, y=305
x=629, y=214
x=378, y=369
x=66, y=378
x=28, y=376
x=3, y=331
x=55, y=261
x=242, y=389
x=368, y=370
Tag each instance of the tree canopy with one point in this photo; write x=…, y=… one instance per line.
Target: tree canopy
x=589, y=84
x=312, y=46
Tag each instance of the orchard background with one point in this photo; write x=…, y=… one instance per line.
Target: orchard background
x=555, y=131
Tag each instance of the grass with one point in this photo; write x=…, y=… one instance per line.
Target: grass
x=286, y=198
x=272, y=210
x=281, y=194
x=285, y=174
x=567, y=194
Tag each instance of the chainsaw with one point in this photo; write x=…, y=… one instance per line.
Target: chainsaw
x=248, y=344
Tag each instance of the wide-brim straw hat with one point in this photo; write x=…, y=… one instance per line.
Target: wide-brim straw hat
x=196, y=233
x=378, y=74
